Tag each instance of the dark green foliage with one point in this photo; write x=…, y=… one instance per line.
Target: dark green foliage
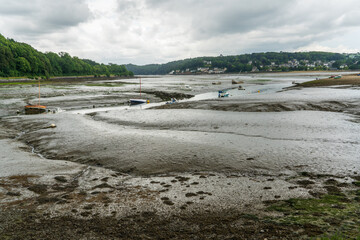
x=20, y=59
x=245, y=62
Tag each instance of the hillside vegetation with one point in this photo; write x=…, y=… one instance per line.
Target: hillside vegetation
x=264, y=62
x=20, y=59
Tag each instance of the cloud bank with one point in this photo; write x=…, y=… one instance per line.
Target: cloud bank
x=157, y=31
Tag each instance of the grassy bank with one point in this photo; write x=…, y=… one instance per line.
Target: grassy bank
x=352, y=79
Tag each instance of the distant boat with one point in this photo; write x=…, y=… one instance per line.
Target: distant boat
x=223, y=93
x=35, y=108
x=138, y=101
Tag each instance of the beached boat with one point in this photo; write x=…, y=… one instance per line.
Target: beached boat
x=138, y=101
x=223, y=93
x=173, y=100
x=35, y=108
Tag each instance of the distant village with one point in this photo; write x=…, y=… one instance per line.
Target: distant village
x=292, y=65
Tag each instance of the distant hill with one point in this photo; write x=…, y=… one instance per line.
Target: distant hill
x=264, y=62
x=20, y=59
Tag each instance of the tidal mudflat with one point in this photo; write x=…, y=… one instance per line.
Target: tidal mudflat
x=267, y=162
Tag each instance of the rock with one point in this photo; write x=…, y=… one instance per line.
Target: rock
x=13, y=194
x=44, y=200
x=103, y=185
x=305, y=182
x=168, y=202
x=190, y=194
x=60, y=178
x=38, y=188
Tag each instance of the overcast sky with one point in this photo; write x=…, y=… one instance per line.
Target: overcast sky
x=158, y=31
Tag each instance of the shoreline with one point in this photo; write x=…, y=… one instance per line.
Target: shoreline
x=66, y=79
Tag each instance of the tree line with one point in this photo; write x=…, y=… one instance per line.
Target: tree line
x=20, y=59
x=262, y=61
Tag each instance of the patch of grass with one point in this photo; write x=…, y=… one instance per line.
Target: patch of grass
x=26, y=83
x=345, y=80
x=22, y=179
x=357, y=183
x=336, y=236
x=333, y=214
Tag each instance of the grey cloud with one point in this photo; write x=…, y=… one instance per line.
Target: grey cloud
x=9, y=7
x=164, y=30
x=126, y=5
x=43, y=16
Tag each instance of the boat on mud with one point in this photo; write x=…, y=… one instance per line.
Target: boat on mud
x=138, y=101
x=223, y=93
x=35, y=109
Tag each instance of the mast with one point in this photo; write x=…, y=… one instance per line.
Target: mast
x=39, y=92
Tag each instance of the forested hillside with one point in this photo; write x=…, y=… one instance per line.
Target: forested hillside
x=20, y=59
x=264, y=62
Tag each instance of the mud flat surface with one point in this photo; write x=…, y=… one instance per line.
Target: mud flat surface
x=265, y=163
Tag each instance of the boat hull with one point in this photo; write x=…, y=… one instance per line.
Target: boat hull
x=138, y=101
x=35, y=109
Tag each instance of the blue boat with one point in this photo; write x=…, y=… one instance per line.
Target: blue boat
x=138, y=101
x=223, y=93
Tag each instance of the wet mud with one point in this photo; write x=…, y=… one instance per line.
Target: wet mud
x=262, y=164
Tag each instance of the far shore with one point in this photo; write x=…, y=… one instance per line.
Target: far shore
x=64, y=78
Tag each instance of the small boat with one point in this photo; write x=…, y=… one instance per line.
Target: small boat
x=173, y=100
x=223, y=93
x=241, y=88
x=34, y=109
x=138, y=101
x=236, y=82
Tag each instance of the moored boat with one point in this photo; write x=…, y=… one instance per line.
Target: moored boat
x=138, y=101
x=223, y=93
x=35, y=109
